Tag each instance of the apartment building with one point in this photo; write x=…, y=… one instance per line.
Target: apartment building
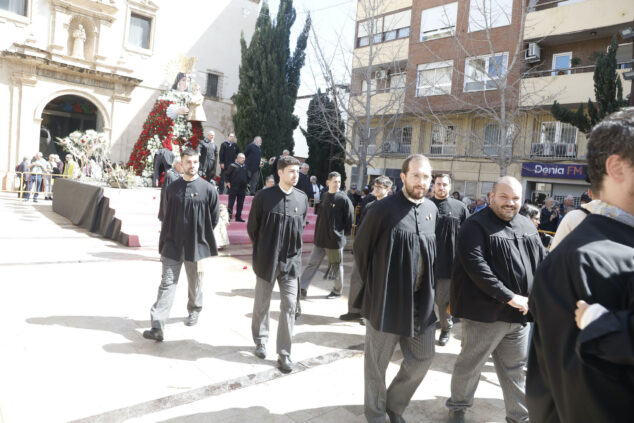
x=475, y=80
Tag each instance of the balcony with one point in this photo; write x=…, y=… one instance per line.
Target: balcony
x=554, y=18
x=554, y=150
x=392, y=148
x=443, y=150
x=382, y=53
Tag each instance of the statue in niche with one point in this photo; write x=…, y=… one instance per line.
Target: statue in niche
x=79, y=37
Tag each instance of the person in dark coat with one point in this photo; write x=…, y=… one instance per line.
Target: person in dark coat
x=253, y=155
x=237, y=180
x=163, y=159
x=382, y=186
x=189, y=214
x=275, y=226
x=207, y=152
x=285, y=153
x=228, y=153
x=581, y=360
x=497, y=254
x=395, y=251
x=549, y=216
x=304, y=183
x=21, y=174
x=334, y=222
x=451, y=214
x=172, y=175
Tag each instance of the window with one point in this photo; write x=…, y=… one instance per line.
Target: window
x=212, y=85
x=558, y=132
x=492, y=140
x=434, y=78
x=399, y=140
x=364, y=86
x=481, y=72
x=397, y=81
x=363, y=41
x=139, y=34
x=486, y=188
x=371, y=146
x=14, y=6
x=466, y=188
x=371, y=27
x=487, y=14
x=561, y=63
x=403, y=32
x=443, y=140
x=438, y=21
x=383, y=29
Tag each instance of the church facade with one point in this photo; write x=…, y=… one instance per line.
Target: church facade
x=69, y=65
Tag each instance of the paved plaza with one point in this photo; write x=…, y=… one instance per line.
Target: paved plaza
x=74, y=307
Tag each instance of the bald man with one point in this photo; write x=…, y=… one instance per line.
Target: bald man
x=497, y=253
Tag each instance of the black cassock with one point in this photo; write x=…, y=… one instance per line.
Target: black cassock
x=451, y=214
x=190, y=214
x=588, y=375
x=207, y=151
x=334, y=221
x=395, y=250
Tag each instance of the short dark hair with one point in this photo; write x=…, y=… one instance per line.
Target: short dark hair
x=411, y=158
x=188, y=152
x=287, y=161
x=529, y=210
x=334, y=174
x=383, y=180
x=613, y=135
x=442, y=175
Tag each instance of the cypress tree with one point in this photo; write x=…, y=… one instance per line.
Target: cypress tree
x=324, y=125
x=608, y=92
x=269, y=80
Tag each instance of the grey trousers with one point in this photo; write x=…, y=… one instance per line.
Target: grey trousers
x=261, y=315
x=167, y=289
x=355, y=287
x=508, y=344
x=443, y=290
x=316, y=257
x=417, y=357
x=253, y=181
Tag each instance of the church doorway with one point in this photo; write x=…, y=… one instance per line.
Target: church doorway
x=63, y=115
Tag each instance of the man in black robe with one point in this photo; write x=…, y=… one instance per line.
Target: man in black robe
x=451, y=214
x=237, y=178
x=189, y=215
x=275, y=226
x=228, y=152
x=285, y=153
x=583, y=370
x=334, y=222
x=304, y=183
x=381, y=187
x=497, y=253
x=395, y=250
x=253, y=156
x=207, y=151
x=173, y=174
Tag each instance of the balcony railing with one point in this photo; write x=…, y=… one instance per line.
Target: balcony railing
x=555, y=72
x=442, y=150
x=494, y=150
x=554, y=150
x=395, y=149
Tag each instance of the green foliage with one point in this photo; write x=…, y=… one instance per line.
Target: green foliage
x=269, y=80
x=324, y=136
x=608, y=92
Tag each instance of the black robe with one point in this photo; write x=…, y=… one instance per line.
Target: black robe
x=303, y=183
x=365, y=202
x=495, y=260
x=170, y=176
x=190, y=214
x=207, y=151
x=588, y=375
x=394, y=248
x=334, y=221
x=275, y=226
x=451, y=214
x=228, y=153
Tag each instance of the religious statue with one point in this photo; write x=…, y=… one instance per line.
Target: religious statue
x=196, y=111
x=79, y=37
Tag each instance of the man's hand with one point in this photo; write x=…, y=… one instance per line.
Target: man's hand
x=229, y=185
x=222, y=166
x=581, y=308
x=519, y=302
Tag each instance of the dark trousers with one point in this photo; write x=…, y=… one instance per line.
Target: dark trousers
x=253, y=180
x=221, y=184
x=240, y=194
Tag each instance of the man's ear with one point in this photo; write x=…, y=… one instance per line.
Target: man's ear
x=615, y=167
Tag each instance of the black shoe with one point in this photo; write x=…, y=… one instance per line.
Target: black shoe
x=349, y=316
x=192, y=319
x=443, y=338
x=456, y=416
x=285, y=364
x=298, y=312
x=240, y=220
x=332, y=295
x=154, y=334
x=303, y=293
x=260, y=351
x=394, y=418
x=35, y=200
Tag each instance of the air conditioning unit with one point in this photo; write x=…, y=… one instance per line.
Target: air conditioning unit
x=381, y=74
x=532, y=53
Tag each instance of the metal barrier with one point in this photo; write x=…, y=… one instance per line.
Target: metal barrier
x=27, y=183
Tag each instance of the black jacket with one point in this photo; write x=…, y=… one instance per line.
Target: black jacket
x=495, y=260
x=237, y=176
x=304, y=184
x=395, y=250
x=163, y=159
x=275, y=227
x=190, y=214
x=228, y=153
x=545, y=223
x=451, y=214
x=207, y=151
x=253, y=155
x=334, y=220
x=587, y=375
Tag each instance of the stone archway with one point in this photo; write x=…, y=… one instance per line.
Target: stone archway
x=63, y=115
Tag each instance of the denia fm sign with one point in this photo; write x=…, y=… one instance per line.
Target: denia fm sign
x=554, y=170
